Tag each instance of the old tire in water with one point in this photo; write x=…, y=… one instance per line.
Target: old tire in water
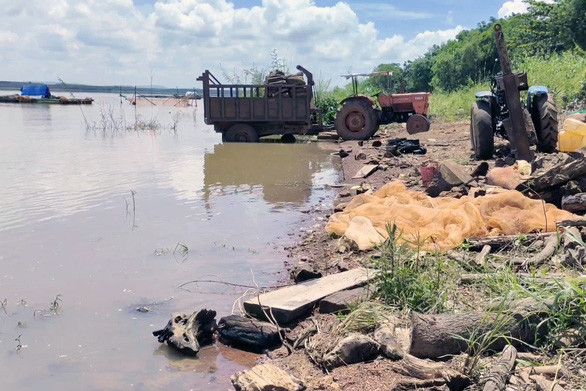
x=481, y=130
x=417, y=123
x=240, y=133
x=545, y=118
x=356, y=120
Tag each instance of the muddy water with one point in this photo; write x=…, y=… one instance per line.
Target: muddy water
x=97, y=221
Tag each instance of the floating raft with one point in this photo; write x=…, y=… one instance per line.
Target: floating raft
x=59, y=100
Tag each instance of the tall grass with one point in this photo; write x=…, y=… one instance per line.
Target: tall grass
x=563, y=74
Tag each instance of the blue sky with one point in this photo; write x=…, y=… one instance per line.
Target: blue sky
x=125, y=41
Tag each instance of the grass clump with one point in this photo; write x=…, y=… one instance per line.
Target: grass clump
x=409, y=281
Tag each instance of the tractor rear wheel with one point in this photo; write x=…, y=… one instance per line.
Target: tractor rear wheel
x=545, y=118
x=240, y=133
x=481, y=130
x=356, y=120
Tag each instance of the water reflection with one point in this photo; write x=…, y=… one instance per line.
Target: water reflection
x=285, y=172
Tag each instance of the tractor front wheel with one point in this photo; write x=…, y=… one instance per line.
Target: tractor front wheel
x=545, y=118
x=481, y=130
x=417, y=123
x=356, y=120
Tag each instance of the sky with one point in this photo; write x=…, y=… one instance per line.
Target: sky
x=171, y=42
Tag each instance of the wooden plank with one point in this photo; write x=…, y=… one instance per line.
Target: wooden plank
x=365, y=171
x=294, y=301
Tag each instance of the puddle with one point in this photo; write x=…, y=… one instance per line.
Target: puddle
x=97, y=222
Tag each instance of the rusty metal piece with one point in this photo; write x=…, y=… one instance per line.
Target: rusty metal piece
x=511, y=83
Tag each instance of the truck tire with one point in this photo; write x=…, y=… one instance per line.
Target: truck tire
x=481, y=130
x=240, y=133
x=356, y=120
x=545, y=118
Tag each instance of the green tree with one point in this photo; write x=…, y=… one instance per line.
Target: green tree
x=387, y=84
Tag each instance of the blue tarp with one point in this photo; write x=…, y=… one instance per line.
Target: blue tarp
x=41, y=90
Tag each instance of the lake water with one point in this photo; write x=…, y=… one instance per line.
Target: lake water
x=98, y=219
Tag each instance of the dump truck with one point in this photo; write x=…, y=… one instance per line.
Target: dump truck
x=501, y=112
x=360, y=116
x=245, y=112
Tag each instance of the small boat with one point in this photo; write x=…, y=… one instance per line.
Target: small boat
x=41, y=94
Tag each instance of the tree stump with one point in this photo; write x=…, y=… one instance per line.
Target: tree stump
x=188, y=333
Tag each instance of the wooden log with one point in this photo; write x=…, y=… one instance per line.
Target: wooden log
x=557, y=176
x=498, y=242
x=499, y=374
x=248, y=333
x=428, y=371
x=434, y=336
x=575, y=203
x=578, y=222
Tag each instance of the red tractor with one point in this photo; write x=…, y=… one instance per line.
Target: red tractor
x=359, y=116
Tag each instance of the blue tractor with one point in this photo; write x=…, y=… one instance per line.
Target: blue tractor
x=500, y=112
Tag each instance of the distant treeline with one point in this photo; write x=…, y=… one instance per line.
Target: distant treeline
x=63, y=87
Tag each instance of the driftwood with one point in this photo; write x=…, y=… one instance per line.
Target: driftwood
x=429, y=372
x=481, y=257
x=551, y=370
x=551, y=245
x=266, y=377
x=248, y=333
x=545, y=385
x=434, y=336
x=498, y=242
x=499, y=374
x=581, y=222
x=186, y=333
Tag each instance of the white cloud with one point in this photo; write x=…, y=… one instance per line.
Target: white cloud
x=516, y=7
x=513, y=7
x=114, y=42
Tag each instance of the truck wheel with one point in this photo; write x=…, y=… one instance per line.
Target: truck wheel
x=240, y=133
x=545, y=118
x=356, y=120
x=417, y=123
x=481, y=130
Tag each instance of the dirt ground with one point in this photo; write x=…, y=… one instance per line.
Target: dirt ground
x=445, y=141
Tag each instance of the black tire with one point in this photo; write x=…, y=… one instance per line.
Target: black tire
x=356, y=120
x=545, y=118
x=417, y=123
x=481, y=130
x=240, y=133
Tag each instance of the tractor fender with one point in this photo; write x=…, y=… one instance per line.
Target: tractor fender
x=484, y=94
x=363, y=98
x=533, y=92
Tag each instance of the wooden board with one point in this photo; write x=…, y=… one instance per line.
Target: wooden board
x=365, y=171
x=293, y=301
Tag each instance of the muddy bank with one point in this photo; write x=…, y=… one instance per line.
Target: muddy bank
x=318, y=254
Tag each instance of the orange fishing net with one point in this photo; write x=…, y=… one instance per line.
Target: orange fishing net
x=440, y=223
